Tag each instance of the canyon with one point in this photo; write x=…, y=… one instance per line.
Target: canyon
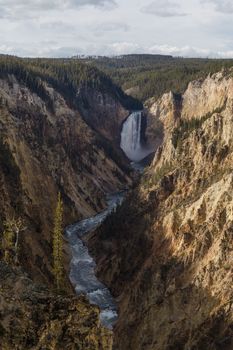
x=45, y=151
x=149, y=254
x=55, y=139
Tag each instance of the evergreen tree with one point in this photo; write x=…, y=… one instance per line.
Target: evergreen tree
x=58, y=244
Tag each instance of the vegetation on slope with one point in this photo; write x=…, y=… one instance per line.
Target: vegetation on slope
x=145, y=76
x=67, y=76
x=187, y=126
x=152, y=75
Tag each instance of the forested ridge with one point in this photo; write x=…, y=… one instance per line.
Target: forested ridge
x=152, y=75
x=67, y=76
x=144, y=76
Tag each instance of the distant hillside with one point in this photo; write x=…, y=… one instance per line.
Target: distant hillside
x=67, y=76
x=147, y=76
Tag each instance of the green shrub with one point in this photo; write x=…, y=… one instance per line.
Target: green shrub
x=151, y=179
x=161, y=172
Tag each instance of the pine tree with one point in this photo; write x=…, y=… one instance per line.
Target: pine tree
x=58, y=244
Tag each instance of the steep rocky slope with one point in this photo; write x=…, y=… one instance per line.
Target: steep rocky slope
x=34, y=318
x=167, y=252
x=56, y=138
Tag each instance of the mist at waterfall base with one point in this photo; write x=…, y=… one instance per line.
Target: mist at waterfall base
x=131, y=142
x=82, y=266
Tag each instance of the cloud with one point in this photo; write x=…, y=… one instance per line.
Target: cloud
x=189, y=51
x=105, y=27
x=57, y=26
x=53, y=4
x=40, y=49
x=22, y=9
x=163, y=8
x=112, y=27
x=121, y=48
x=183, y=51
x=6, y=49
x=224, y=6
x=53, y=49
x=101, y=3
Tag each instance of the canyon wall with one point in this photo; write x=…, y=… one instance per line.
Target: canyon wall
x=48, y=149
x=167, y=252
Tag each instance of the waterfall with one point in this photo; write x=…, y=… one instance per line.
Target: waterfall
x=131, y=138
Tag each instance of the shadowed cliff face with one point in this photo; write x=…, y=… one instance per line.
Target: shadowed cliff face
x=106, y=117
x=46, y=150
x=169, y=248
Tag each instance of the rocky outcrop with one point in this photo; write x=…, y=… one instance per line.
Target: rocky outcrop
x=34, y=318
x=48, y=149
x=171, y=251
x=107, y=116
x=206, y=96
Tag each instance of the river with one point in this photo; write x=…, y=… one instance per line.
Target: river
x=82, y=266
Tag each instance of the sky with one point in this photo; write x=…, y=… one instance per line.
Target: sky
x=64, y=28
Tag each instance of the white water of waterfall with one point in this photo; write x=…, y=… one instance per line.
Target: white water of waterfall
x=131, y=138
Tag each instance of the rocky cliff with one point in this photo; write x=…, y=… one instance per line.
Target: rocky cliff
x=56, y=137
x=34, y=318
x=167, y=252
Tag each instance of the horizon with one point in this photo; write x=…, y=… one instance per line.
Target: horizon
x=88, y=56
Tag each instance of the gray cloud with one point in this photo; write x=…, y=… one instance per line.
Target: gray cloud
x=163, y=8
x=224, y=6
x=15, y=9
x=57, y=26
x=52, y=4
x=100, y=3
x=106, y=27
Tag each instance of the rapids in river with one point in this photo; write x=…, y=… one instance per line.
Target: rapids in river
x=82, y=266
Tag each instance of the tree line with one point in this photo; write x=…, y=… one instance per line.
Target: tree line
x=153, y=75
x=67, y=76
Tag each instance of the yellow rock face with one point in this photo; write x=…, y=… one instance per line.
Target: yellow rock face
x=174, y=250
